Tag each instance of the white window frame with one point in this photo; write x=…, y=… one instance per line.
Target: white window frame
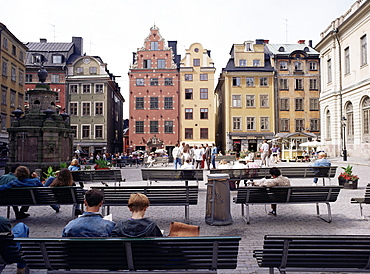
x=83, y=108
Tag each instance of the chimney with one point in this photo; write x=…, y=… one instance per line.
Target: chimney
x=209, y=53
x=78, y=43
x=301, y=41
x=260, y=41
x=310, y=43
x=266, y=41
x=133, y=57
x=43, y=40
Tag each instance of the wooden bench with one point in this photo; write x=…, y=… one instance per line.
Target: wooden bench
x=362, y=200
x=140, y=255
x=287, y=195
x=185, y=175
x=9, y=252
x=98, y=176
x=157, y=195
x=315, y=253
x=42, y=196
x=287, y=171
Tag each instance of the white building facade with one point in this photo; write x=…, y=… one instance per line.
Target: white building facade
x=345, y=83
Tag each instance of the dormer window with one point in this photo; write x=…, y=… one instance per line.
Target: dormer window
x=36, y=58
x=80, y=70
x=281, y=49
x=57, y=59
x=306, y=49
x=248, y=46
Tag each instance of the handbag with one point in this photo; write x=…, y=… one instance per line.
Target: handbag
x=178, y=229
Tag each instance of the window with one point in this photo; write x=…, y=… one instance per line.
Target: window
x=73, y=109
x=74, y=129
x=168, y=82
x=139, y=127
x=236, y=81
x=298, y=84
x=283, y=65
x=256, y=63
x=99, y=108
x=313, y=65
x=57, y=59
x=153, y=126
x=203, y=77
x=4, y=68
x=249, y=81
x=161, y=63
x=299, y=125
x=154, y=45
x=93, y=70
x=21, y=55
x=99, y=88
x=85, y=88
x=188, y=94
x=204, y=113
x=248, y=46
x=188, y=114
x=14, y=50
x=196, y=62
x=264, y=123
x=57, y=98
x=363, y=50
x=55, y=78
x=313, y=84
x=328, y=125
x=263, y=81
x=250, y=101
x=284, y=84
x=86, y=109
x=28, y=77
x=3, y=122
x=20, y=100
x=204, y=93
x=284, y=125
x=314, y=103
x=4, y=95
x=36, y=58
x=366, y=116
x=13, y=74
x=21, y=77
x=154, y=81
x=12, y=98
x=237, y=123
x=188, y=77
x=298, y=104
x=237, y=101
x=73, y=89
x=80, y=70
x=188, y=133
x=347, y=67
x=204, y=133
x=314, y=124
x=350, y=125
x=298, y=66
x=264, y=100
x=168, y=127
x=5, y=43
x=86, y=131
x=147, y=63
x=98, y=131
x=140, y=81
x=168, y=103
x=139, y=103
x=154, y=103
x=243, y=63
x=251, y=123
x=329, y=71
x=284, y=103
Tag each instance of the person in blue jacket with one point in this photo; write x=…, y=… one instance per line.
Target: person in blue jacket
x=23, y=180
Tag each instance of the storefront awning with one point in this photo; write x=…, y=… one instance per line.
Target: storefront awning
x=251, y=135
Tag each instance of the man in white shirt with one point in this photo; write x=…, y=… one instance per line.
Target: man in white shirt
x=176, y=153
x=265, y=148
x=198, y=156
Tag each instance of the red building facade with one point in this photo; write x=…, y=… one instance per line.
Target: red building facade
x=154, y=95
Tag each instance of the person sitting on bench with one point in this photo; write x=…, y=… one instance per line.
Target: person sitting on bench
x=137, y=226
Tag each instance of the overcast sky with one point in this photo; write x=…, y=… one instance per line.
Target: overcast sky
x=113, y=29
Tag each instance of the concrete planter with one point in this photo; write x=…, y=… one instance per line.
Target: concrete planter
x=348, y=184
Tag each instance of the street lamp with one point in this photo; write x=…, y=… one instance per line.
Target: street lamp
x=344, y=149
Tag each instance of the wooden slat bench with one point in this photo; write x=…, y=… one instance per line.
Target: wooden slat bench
x=42, y=196
x=140, y=255
x=98, y=176
x=315, y=253
x=362, y=200
x=185, y=175
x=287, y=171
x=157, y=195
x=287, y=195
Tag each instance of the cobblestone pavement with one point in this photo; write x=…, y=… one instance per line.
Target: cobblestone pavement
x=292, y=219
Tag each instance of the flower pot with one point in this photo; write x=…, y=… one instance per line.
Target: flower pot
x=348, y=184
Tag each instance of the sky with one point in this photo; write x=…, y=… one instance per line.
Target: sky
x=113, y=29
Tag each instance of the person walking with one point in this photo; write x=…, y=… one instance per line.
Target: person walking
x=265, y=149
x=176, y=154
x=213, y=156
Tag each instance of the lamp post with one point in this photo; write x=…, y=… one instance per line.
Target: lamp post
x=344, y=149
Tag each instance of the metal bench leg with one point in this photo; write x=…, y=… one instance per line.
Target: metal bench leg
x=187, y=214
x=362, y=215
x=329, y=213
x=8, y=212
x=245, y=218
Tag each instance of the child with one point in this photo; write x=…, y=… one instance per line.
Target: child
x=137, y=226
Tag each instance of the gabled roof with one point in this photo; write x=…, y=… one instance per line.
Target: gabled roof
x=58, y=47
x=286, y=49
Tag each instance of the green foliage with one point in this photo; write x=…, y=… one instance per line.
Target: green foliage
x=101, y=163
x=63, y=165
x=347, y=169
x=50, y=172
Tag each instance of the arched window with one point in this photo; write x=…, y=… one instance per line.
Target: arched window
x=328, y=135
x=366, y=116
x=349, y=117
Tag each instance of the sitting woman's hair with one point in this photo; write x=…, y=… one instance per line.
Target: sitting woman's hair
x=138, y=202
x=64, y=178
x=22, y=173
x=74, y=162
x=275, y=172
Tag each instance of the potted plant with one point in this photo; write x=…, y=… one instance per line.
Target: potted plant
x=101, y=164
x=347, y=179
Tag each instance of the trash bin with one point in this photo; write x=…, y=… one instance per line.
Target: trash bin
x=218, y=200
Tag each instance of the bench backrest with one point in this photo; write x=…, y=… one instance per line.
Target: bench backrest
x=172, y=174
x=315, y=251
x=131, y=254
x=367, y=194
x=175, y=195
x=42, y=196
x=288, y=194
x=109, y=175
x=9, y=252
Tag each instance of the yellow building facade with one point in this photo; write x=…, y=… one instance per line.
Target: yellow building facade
x=245, y=99
x=197, y=101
